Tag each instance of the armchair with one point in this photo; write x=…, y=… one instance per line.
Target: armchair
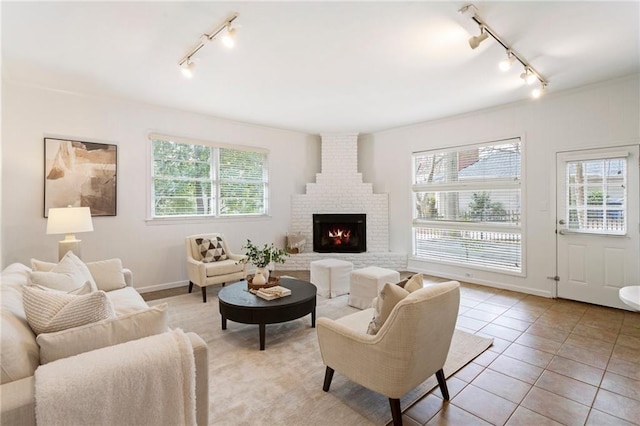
x=411, y=345
x=202, y=273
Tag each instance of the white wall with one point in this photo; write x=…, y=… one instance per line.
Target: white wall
x=607, y=114
x=154, y=252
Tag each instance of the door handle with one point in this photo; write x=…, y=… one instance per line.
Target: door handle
x=562, y=222
x=561, y=232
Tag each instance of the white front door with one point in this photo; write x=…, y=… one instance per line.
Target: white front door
x=598, y=224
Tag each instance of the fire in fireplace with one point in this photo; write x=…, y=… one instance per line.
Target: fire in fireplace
x=339, y=233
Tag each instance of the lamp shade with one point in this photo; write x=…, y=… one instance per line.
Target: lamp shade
x=69, y=220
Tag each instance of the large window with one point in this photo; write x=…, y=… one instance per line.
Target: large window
x=467, y=205
x=192, y=179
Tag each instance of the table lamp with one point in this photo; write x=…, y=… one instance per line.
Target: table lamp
x=69, y=220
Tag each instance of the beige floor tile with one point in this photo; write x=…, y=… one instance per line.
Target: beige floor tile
x=517, y=369
x=539, y=343
x=468, y=303
x=621, y=385
x=632, y=342
x=486, y=358
x=581, y=354
x=547, y=320
x=556, y=407
x=503, y=300
x=576, y=370
x=525, y=417
x=470, y=323
x=480, y=315
x=408, y=421
x=604, y=324
x=524, y=315
x=590, y=343
x=469, y=372
x=504, y=386
x=626, y=353
x=499, y=345
x=631, y=318
x=514, y=323
x=454, y=385
x=452, y=415
x=501, y=332
x=596, y=333
x=424, y=409
x=598, y=418
x=550, y=333
x=563, y=305
x=484, y=404
x=566, y=386
x=494, y=309
x=529, y=355
x=630, y=330
x=624, y=368
x=617, y=405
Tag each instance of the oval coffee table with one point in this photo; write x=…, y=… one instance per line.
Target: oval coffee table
x=237, y=304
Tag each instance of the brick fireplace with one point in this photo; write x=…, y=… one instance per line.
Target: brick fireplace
x=339, y=189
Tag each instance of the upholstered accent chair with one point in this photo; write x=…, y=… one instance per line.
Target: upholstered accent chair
x=411, y=345
x=210, y=262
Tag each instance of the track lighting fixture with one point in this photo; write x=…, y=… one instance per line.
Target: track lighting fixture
x=186, y=63
x=505, y=65
x=476, y=40
x=530, y=75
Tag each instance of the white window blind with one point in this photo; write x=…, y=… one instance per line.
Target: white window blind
x=467, y=205
x=192, y=179
x=596, y=196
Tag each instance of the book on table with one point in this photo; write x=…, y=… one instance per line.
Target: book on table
x=275, y=292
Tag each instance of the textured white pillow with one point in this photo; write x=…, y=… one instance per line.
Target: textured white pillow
x=69, y=274
x=66, y=343
x=49, y=311
x=107, y=274
x=389, y=297
x=416, y=282
x=41, y=265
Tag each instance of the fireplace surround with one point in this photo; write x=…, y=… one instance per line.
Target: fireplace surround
x=340, y=233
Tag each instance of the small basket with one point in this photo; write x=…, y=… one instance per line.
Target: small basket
x=273, y=281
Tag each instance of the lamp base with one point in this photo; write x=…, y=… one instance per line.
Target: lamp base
x=65, y=245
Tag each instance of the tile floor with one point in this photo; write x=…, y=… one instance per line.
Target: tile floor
x=553, y=362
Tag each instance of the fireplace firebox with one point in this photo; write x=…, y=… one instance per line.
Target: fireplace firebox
x=339, y=233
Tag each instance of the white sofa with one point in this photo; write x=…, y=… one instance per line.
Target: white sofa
x=20, y=352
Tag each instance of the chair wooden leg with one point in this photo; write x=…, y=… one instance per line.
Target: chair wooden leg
x=328, y=376
x=204, y=294
x=396, y=412
x=442, y=382
x=190, y=286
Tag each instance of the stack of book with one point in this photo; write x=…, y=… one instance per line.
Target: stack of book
x=271, y=293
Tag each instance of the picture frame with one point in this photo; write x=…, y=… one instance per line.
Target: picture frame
x=80, y=174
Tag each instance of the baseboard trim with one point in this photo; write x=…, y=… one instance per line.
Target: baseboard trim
x=487, y=283
x=165, y=286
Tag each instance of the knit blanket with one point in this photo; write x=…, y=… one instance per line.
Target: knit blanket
x=149, y=381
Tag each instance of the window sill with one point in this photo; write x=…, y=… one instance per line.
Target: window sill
x=181, y=220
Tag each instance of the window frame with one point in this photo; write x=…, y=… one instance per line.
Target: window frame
x=495, y=184
x=214, y=178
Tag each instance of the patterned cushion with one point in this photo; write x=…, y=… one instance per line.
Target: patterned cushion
x=211, y=250
x=49, y=311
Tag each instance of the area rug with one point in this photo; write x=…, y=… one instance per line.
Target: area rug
x=283, y=384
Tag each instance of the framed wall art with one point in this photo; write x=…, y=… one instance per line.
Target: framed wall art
x=80, y=174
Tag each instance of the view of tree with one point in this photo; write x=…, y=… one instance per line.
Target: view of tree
x=184, y=180
x=481, y=208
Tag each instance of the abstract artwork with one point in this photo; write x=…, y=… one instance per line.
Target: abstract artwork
x=80, y=174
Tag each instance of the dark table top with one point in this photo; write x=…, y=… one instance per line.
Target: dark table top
x=238, y=295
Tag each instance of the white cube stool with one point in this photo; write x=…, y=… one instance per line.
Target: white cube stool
x=367, y=282
x=331, y=276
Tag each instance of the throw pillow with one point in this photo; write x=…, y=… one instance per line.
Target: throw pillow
x=68, y=275
x=49, y=311
x=66, y=343
x=83, y=289
x=414, y=283
x=211, y=250
x=41, y=265
x=107, y=274
x=389, y=297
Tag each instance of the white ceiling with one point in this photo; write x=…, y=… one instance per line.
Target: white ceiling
x=317, y=67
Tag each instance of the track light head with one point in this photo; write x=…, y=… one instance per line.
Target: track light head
x=538, y=91
x=229, y=38
x=529, y=77
x=476, y=40
x=505, y=65
x=187, y=68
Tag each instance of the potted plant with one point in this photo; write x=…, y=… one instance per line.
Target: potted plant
x=262, y=257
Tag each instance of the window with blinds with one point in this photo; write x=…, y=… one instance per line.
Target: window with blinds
x=467, y=205
x=192, y=179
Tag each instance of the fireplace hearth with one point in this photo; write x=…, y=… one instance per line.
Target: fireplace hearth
x=339, y=233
